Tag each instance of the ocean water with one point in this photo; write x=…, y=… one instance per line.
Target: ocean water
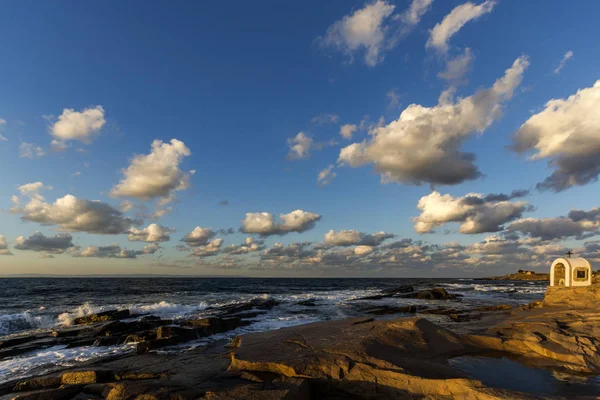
x=38, y=304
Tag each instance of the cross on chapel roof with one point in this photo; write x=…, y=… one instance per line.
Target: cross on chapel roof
x=569, y=253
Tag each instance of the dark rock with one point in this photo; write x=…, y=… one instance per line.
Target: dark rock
x=38, y=383
x=185, y=334
x=111, y=315
x=144, y=347
x=386, y=310
x=62, y=393
x=499, y=307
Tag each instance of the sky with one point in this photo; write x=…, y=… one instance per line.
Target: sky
x=407, y=138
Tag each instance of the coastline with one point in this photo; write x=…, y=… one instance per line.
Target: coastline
x=357, y=357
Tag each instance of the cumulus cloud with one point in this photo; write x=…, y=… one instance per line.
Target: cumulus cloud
x=299, y=146
x=199, y=236
x=578, y=224
x=75, y=215
x=363, y=250
x=352, y=237
x=264, y=223
x=373, y=29
x=57, y=244
x=567, y=134
x=4, y=251
x=454, y=21
x=212, y=248
x=472, y=211
x=425, y=144
x=347, y=130
x=568, y=55
x=457, y=68
x=152, y=233
x=33, y=190
x=155, y=175
x=115, y=251
x=29, y=150
x=78, y=125
x=250, y=245
x=325, y=119
x=326, y=176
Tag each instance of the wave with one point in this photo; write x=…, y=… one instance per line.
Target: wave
x=25, y=321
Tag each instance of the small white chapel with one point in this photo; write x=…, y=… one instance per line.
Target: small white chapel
x=569, y=272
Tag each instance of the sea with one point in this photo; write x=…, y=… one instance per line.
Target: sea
x=29, y=305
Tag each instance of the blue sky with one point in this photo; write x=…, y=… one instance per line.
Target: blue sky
x=235, y=82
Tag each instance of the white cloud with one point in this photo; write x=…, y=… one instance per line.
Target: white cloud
x=199, y=236
x=211, y=249
x=76, y=215
x=29, y=150
x=456, y=68
x=152, y=233
x=57, y=244
x=454, y=21
x=412, y=16
x=424, y=145
x=373, y=29
x=326, y=176
x=363, y=250
x=264, y=223
x=394, y=98
x=78, y=125
x=115, y=251
x=568, y=55
x=347, y=130
x=76, y=173
x=325, y=119
x=2, y=123
x=4, y=251
x=299, y=146
x=353, y=237
x=33, y=190
x=472, y=211
x=250, y=245
x=567, y=134
x=365, y=29
x=155, y=175
x=59, y=146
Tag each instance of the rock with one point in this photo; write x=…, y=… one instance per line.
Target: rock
x=84, y=377
x=499, y=307
x=386, y=310
x=183, y=334
x=144, y=347
x=111, y=315
x=38, y=383
x=62, y=393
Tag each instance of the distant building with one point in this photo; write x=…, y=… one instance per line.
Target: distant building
x=569, y=272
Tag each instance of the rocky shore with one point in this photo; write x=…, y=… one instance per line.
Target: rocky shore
x=520, y=276
x=364, y=358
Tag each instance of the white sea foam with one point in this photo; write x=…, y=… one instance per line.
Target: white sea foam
x=53, y=358
x=24, y=321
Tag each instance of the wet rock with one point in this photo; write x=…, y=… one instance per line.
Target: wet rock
x=255, y=304
x=184, y=334
x=111, y=315
x=434, y=294
x=144, y=347
x=386, y=310
x=499, y=307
